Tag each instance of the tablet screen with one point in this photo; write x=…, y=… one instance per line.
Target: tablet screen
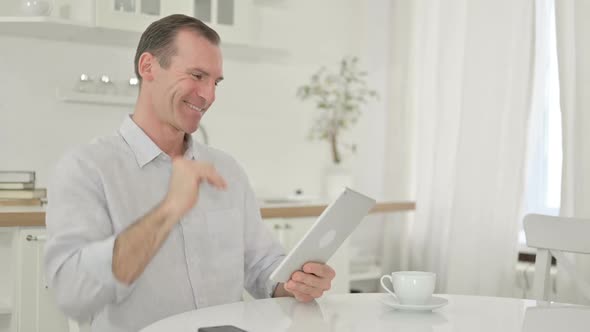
x=326, y=235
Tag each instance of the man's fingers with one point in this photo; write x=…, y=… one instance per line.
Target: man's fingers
x=216, y=180
x=295, y=286
x=208, y=172
x=302, y=297
x=295, y=289
x=320, y=270
x=311, y=280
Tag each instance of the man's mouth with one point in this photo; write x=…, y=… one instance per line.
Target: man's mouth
x=195, y=107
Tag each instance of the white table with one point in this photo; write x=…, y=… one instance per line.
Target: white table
x=364, y=312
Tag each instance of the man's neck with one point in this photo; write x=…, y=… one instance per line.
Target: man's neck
x=169, y=139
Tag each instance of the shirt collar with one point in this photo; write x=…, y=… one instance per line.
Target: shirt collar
x=144, y=148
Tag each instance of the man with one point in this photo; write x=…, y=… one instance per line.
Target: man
x=146, y=224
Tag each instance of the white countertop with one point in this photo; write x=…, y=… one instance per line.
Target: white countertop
x=19, y=209
x=27, y=216
x=365, y=312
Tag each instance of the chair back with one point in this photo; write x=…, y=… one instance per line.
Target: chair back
x=552, y=236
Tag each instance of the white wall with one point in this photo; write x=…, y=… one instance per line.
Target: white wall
x=257, y=117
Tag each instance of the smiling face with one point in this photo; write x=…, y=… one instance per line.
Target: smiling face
x=183, y=92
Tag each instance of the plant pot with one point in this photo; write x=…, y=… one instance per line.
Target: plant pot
x=335, y=178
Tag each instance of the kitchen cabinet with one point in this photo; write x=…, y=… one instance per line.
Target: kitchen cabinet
x=7, y=266
x=26, y=303
x=130, y=15
x=35, y=304
x=104, y=23
x=232, y=19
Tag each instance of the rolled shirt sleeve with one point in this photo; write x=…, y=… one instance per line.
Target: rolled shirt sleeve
x=79, y=250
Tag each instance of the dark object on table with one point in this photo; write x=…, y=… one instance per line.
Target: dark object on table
x=222, y=328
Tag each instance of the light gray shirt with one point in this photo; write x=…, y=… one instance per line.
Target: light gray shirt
x=219, y=247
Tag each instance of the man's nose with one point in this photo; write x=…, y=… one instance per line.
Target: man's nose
x=206, y=94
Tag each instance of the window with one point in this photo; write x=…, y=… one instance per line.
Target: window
x=543, y=187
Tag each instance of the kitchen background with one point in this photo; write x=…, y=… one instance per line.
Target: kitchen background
x=257, y=117
x=448, y=129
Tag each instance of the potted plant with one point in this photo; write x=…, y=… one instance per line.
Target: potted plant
x=339, y=98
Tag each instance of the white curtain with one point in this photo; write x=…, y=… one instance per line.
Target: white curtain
x=573, y=51
x=472, y=98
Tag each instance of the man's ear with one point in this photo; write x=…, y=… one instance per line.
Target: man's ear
x=146, y=66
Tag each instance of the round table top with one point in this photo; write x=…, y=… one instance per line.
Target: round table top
x=367, y=312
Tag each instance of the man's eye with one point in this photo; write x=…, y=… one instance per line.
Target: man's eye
x=197, y=76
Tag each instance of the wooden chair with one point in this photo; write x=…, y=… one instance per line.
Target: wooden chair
x=552, y=236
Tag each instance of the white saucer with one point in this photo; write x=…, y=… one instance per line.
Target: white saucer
x=435, y=302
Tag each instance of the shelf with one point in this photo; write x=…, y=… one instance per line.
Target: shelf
x=373, y=273
x=65, y=30
x=95, y=99
x=51, y=28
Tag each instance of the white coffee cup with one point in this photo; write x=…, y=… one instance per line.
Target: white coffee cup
x=411, y=287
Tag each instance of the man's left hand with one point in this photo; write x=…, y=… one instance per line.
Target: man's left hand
x=311, y=283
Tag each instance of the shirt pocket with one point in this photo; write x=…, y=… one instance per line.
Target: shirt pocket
x=226, y=237
x=226, y=234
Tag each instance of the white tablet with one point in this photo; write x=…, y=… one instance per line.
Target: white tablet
x=326, y=235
